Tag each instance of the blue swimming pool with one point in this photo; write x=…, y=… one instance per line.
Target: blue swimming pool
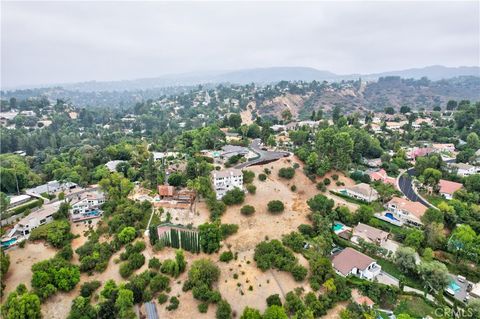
x=8, y=243
x=337, y=227
x=390, y=216
x=454, y=286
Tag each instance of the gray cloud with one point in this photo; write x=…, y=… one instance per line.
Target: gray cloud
x=55, y=42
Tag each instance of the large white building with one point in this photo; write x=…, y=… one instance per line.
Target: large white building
x=86, y=206
x=226, y=180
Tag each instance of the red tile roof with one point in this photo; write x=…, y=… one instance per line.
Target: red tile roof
x=448, y=187
x=165, y=190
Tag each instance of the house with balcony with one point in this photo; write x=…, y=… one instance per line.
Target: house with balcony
x=403, y=211
x=464, y=169
x=226, y=180
x=362, y=191
x=369, y=234
x=86, y=206
x=351, y=262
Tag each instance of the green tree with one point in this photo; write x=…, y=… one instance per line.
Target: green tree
x=127, y=235
x=250, y=313
x=275, y=312
x=82, y=309
x=247, y=210
x=320, y=203
x=210, y=237
x=414, y=239
x=434, y=275
x=405, y=259
x=116, y=186
x=224, y=311
x=275, y=206
x=22, y=306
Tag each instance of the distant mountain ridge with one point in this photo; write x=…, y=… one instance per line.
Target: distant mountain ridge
x=264, y=76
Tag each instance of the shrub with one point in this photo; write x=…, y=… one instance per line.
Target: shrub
x=154, y=263
x=326, y=181
x=267, y=171
x=247, y=210
x=203, y=307
x=248, y=176
x=174, y=302
x=234, y=196
x=293, y=188
x=262, y=177
x=126, y=270
x=252, y=189
x=286, y=172
x=159, y=282
x=127, y=235
x=274, y=300
x=275, y=206
x=224, y=311
x=226, y=256
x=335, y=177
x=299, y=272
x=228, y=229
x=89, y=287
x=162, y=298
x=56, y=233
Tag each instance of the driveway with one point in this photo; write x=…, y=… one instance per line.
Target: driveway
x=264, y=156
x=387, y=279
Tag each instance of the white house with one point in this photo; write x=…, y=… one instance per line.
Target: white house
x=35, y=219
x=405, y=211
x=112, y=165
x=351, y=262
x=86, y=206
x=465, y=169
x=226, y=180
x=51, y=187
x=360, y=191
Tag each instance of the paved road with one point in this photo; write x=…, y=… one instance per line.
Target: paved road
x=265, y=156
x=405, y=184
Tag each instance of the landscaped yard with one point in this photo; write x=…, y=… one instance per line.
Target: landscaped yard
x=415, y=306
x=392, y=269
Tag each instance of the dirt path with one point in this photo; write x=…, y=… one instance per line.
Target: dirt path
x=247, y=117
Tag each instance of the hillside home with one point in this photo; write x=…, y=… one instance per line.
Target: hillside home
x=372, y=162
x=376, y=128
x=51, y=187
x=443, y=147
x=351, y=262
x=405, y=211
x=381, y=175
x=419, y=122
x=226, y=180
x=157, y=156
x=395, y=126
x=447, y=188
x=18, y=200
x=86, y=206
x=112, y=165
x=415, y=152
x=369, y=234
x=35, y=219
x=360, y=191
x=464, y=169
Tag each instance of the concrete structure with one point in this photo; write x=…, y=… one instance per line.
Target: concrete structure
x=112, y=165
x=447, y=188
x=369, y=234
x=50, y=188
x=226, y=180
x=35, y=219
x=405, y=211
x=157, y=156
x=360, y=191
x=351, y=262
x=233, y=150
x=18, y=200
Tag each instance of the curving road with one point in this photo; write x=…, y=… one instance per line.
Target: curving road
x=405, y=184
x=264, y=156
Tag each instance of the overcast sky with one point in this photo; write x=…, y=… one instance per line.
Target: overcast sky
x=58, y=42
